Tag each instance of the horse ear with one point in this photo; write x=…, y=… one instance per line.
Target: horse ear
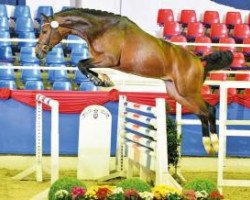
x=45, y=18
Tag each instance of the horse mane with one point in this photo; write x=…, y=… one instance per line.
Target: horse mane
x=84, y=11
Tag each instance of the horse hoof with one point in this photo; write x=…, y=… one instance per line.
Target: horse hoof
x=106, y=80
x=215, y=141
x=207, y=145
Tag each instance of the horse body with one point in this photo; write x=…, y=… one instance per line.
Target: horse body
x=118, y=43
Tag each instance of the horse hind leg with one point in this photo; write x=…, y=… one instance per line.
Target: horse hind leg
x=212, y=123
x=198, y=107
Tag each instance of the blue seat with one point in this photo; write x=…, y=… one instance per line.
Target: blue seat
x=87, y=86
x=57, y=75
x=46, y=10
x=22, y=11
x=28, y=55
x=34, y=85
x=4, y=24
x=62, y=85
x=11, y=84
x=56, y=56
x=24, y=24
x=78, y=54
x=26, y=35
x=66, y=7
x=31, y=74
x=3, y=11
x=7, y=74
x=5, y=35
x=71, y=46
x=6, y=54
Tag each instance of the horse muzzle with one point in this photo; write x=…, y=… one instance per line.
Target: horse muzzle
x=41, y=51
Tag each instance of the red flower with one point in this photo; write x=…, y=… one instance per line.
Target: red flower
x=189, y=195
x=216, y=195
x=102, y=193
x=131, y=194
x=77, y=192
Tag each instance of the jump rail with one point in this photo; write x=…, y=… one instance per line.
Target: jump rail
x=38, y=167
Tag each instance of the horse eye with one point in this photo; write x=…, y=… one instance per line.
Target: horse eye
x=44, y=31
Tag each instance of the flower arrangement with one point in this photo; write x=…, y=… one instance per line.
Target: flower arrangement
x=132, y=189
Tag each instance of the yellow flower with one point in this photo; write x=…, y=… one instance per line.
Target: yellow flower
x=161, y=191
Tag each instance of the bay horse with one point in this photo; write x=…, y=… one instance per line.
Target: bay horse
x=116, y=42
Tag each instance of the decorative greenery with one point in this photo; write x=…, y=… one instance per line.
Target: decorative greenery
x=201, y=185
x=134, y=184
x=166, y=192
x=62, y=189
x=173, y=143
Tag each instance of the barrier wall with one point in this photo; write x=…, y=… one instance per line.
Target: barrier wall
x=17, y=133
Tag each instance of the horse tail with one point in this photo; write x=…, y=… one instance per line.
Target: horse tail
x=216, y=61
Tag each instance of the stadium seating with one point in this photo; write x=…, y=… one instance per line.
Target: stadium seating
x=62, y=85
x=171, y=29
x=6, y=54
x=232, y=18
x=31, y=74
x=238, y=61
x=194, y=29
x=165, y=15
x=246, y=50
x=57, y=75
x=21, y=11
x=203, y=50
x=187, y=16
x=227, y=40
x=28, y=55
x=87, y=86
x=55, y=56
x=241, y=32
x=210, y=17
x=26, y=35
x=218, y=31
x=179, y=38
x=3, y=11
x=4, y=24
x=34, y=85
x=5, y=35
x=24, y=24
x=11, y=84
x=7, y=74
x=46, y=10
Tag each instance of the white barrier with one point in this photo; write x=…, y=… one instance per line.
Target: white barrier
x=224, y=133
x=145, y=145
x=94, y=143
x=38, y=166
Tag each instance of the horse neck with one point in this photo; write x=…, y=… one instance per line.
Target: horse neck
x=77, y=26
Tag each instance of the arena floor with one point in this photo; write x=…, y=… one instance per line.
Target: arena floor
x=192, y=168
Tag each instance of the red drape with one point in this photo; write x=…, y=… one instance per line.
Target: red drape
x=75, y=102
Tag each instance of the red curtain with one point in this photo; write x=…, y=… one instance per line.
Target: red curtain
x=75, y=102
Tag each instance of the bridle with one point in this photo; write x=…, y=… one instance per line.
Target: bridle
x=54, y=25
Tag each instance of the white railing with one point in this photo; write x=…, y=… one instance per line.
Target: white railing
x=224, y=133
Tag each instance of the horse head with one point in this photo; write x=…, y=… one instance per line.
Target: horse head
x=51, y=34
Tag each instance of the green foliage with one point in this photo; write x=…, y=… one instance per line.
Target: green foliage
x=135, y=184
x=174, y=196
x=173, y=143
x=201, y=185
x=64, y=183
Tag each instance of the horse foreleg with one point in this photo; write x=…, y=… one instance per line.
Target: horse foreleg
x=98, y=79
